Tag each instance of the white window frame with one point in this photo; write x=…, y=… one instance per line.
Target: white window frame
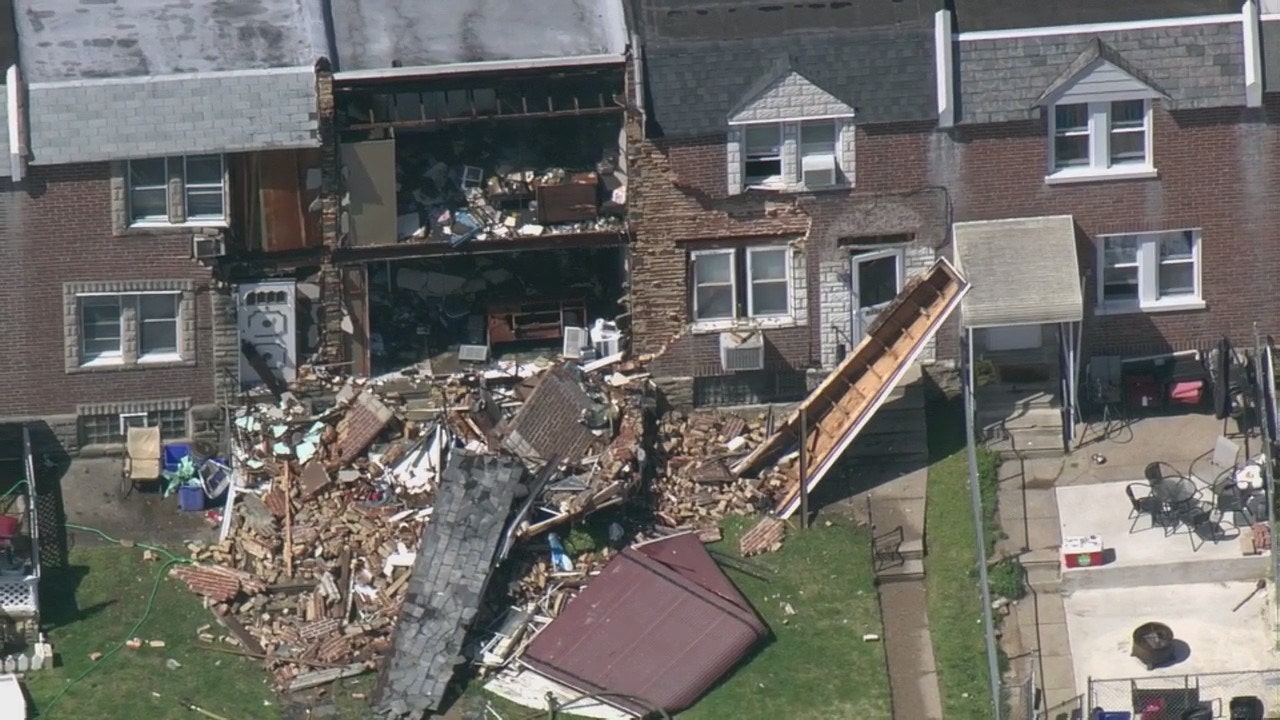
x=737, y=263
x=1148, y=262
x=695, y=256
x=1100, y=166
x=786, y=278
x=204, y=188
x=125, y=301
x=106, y=358
x=771, y=181
x=130, y=188
x=170, y=201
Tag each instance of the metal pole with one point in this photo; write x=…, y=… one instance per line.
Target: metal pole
x=804, y=467
x=1265, y=372
x=979, y=527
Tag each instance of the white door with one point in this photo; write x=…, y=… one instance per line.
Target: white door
x=266, y=313
x=877, y=278
x=1014, y=337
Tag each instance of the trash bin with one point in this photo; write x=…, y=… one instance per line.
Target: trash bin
x=1112, y=715
x=191, y=498
x=1247, y=707
x=173, y=454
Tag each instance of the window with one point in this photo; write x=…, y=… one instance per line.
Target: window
x=104, y=317
x=750, y=388
x=1150, y=271
x=729, y=284
x=763, y=155
x=112, y=428
x=100, y=323
x=201, y=184
x=1101, y=138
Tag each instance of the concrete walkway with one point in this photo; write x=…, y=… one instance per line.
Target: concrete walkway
x=894, y=443
x=1035, y=632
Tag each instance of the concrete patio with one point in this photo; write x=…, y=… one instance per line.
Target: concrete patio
x=1233, y=651
x=1148, y=556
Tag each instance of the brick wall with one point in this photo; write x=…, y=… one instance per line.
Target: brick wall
x=1214, y=174
x=57, y=228
x=679, y=199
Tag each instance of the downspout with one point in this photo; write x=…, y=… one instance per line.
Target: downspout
x=16, y=105
x=1251, y=26
x=944, y=67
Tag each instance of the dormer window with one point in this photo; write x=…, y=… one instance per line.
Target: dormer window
x=762, y=155
x=1099, y=111
x=1101, y=135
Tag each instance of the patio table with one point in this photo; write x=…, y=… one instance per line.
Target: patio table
x=1177, y=492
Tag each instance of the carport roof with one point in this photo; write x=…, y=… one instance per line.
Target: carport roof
x=1024, y=271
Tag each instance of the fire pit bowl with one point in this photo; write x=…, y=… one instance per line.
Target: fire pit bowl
x=1153, y=644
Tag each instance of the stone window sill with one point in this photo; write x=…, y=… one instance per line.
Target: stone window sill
x=1085, y=175
x=708, y=327
x=1155, y=307
x=148, y=363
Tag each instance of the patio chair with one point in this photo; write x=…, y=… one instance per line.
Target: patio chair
x=1146, y=504
x=142, y=460
x=1204, y=521
x=1221, y=460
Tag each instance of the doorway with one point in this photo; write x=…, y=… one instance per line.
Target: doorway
x=876, y=279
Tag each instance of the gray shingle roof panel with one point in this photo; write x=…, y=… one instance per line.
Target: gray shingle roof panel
x=885, y=76
x=1198, y=66
x=94, y=121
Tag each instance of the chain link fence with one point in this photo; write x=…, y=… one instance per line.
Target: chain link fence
x=1018, y=699
x=1173, y=695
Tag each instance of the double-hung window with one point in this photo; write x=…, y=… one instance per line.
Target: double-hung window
x=144, y=327
x=1150, y=271
x=762, y=155
x=741, y=283
x=1100, y=139
x=188, y=190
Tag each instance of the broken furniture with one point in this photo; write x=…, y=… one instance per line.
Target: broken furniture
x=576, y=200
x=1153, y=645
x=521, y=320
x=142, y=459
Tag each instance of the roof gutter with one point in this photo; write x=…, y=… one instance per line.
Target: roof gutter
x=16, y=105
x=944, y=67
x=1251, y=24
x=466, y=68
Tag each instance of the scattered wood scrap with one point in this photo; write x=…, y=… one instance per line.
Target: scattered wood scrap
x=765, y=537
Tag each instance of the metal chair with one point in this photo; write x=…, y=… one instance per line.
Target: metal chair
x=1222, y=459
x=1147, y=504
x=142, y=461
x=1204, y=521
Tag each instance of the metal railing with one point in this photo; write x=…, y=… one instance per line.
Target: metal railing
x=1178, y=693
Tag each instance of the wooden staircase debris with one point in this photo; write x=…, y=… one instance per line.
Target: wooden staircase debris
x=838, y=409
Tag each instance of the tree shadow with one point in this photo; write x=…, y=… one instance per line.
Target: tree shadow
x=58, y=604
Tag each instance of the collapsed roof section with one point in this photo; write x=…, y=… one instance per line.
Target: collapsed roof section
x=659, y=626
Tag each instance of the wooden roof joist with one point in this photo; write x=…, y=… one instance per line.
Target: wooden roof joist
x=837, y=410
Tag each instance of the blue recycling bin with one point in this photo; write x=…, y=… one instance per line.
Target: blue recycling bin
x=173, y=454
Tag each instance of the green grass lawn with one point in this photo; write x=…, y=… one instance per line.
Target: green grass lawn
x=954, y=603
x=90, y=606
x=818, y=666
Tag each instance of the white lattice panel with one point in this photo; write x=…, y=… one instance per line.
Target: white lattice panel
x=17, y=594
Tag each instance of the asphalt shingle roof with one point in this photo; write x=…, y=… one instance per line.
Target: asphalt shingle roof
x=1007, y=14
x=1197, y=66
x=885, y=75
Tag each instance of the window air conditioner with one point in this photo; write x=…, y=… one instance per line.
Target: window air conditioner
x=575, y=339
x=741, y=351
x=818, y=170
x=207, y=247
x=606, y=338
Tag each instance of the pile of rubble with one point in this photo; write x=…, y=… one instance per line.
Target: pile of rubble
x=694, y=486
x=330, y=504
